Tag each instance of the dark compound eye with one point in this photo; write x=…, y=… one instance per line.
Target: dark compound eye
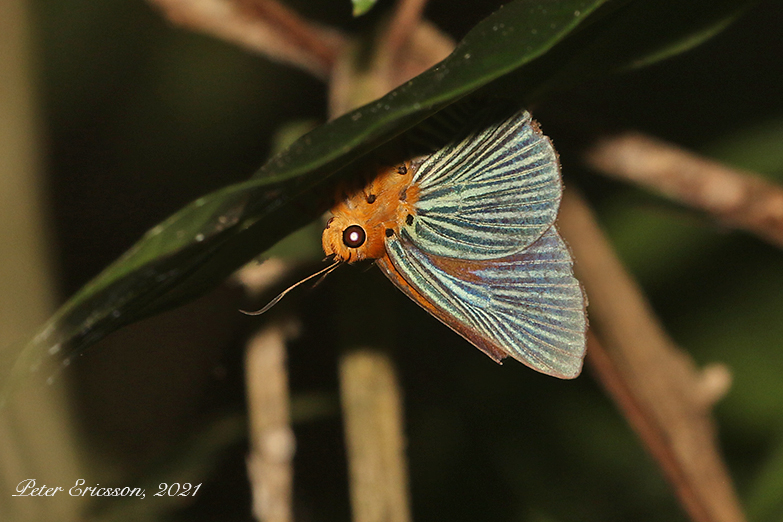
x=354, y=236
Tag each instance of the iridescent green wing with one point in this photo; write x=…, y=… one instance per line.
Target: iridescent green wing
x=488, y=193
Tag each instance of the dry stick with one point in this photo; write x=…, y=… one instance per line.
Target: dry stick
x=406, y=18
x=370, y=394
x=264, y=26
x=407, y=47
x=739, y=199
x=372, y=406
x=352, y=84
x=664, y=396
x=38, y=432
x=271, y=438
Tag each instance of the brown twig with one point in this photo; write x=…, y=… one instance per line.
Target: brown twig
x=370, y=393
x=739, y=199
x=372, y=413
x=407, y=47
x=264, y=26
x=271, y=438
x=403, y=24
x=352, y=84
x=258, y=278
x=39, y=436
x=665, y=398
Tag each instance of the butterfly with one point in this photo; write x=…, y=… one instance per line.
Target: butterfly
x=468, y=233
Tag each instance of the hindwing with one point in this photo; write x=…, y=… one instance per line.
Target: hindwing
x=528, y=306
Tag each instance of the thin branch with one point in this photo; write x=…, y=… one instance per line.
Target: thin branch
x=425, y=46
x=372, y=413
x=271, y=437
x=352, y=85
x=407, y=47
x=259, y=278
x=39, y=436
x=738, y=199
x=404, y=21
x=263, y=26
x=664, y=396
x=369, y=390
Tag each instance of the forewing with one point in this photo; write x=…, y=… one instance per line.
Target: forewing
x=528, y=305
x=489, y=193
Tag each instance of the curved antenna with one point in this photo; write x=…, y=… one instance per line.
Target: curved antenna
x=325, y=271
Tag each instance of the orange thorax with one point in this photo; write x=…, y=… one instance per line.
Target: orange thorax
x=365, y=215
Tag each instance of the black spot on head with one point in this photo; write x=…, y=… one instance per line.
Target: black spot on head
x=389, y=232
x=371, y=198
x=409, y=220
x=402, y=169
x=354, y=236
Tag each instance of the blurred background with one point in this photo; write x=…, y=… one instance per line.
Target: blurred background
x=111, y=119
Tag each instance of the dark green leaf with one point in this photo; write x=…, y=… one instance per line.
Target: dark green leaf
x=204, y=242
x=639, y=34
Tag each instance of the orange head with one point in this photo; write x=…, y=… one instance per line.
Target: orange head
x=363, y=217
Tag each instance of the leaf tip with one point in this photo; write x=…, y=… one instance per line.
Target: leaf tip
x=361, y=7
